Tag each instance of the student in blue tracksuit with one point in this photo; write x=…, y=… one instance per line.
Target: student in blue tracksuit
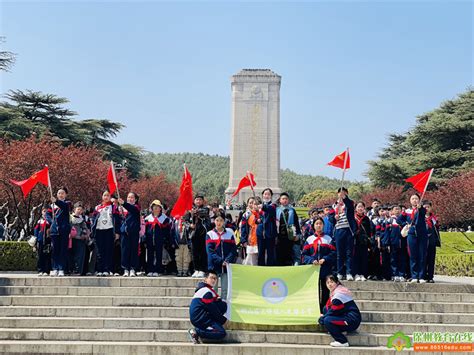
x=417, y=238
x=267, y=230
x=58, y=217
x=362, y=237
x=207, y=311
x=328, y=226
x=221, y=251
x=43, y=244
x=158, y=236
x=397, y=257
x=384, y=247
x=341, y=313
x=320, y=249
x=345, y=226
x=130, y=233
x=434, y=241
x=105, y=229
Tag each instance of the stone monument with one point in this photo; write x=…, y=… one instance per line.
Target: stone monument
x=255, y=133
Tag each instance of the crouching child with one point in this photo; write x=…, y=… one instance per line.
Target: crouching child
x=207, y=311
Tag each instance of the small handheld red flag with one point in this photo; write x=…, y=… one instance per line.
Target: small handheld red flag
x=342, y=161
x=112, y=179
x=247, y=180
x=27, y=185
x=185, y=199
x=420, y=181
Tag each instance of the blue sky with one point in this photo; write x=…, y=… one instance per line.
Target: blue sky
x=352, y=71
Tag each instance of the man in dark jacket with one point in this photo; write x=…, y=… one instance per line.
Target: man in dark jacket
x=207, y=311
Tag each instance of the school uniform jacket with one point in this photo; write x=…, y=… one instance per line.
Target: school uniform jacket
x=131, y=220
x=60, y=223
x=158, y=228
x=394, y=232
x=220, y=247
x=416, y=218
x=116, y=218
x=206, y=307
x=318, y=247
x=40, y=230
x=341, y=304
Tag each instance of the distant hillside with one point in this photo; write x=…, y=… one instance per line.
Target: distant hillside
x=211, y=174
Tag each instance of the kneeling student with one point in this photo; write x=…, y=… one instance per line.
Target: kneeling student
x=207, y=311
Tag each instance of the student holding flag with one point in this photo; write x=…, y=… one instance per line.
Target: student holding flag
x=267, y=230
x=58, y=217
x=129, y=231
x=105, y=226
x=413, y=221
x=344, y=221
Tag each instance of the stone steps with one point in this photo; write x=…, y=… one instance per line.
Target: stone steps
x=188, y=291
x=188, y=282
x=182, y=301
x=180, y=335
x=144, y=348
x=183, y=323
x=117, y=315
x=183, y=312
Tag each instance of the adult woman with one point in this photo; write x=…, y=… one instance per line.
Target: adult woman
x=341, y=313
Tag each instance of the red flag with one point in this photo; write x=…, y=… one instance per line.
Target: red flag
x=112, y=179
x=420, y=181
x=27, y=185
x=342, y=160
x=185, y=199
x=247, y=180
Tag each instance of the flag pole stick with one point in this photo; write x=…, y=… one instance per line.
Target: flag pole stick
x=424, y=191
x=115, y=178
x=51, y=194
x=251, y=185
x=344, y=170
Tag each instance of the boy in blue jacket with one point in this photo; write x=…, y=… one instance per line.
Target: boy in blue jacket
x=207, y=311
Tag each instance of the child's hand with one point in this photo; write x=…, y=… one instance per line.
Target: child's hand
x=53, y=199
x=120, y=201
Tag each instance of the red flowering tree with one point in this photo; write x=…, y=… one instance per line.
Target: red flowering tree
x=80, y=169
x=453, y=202
x=155, y=187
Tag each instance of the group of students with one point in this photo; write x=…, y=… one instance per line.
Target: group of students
x=115, y=239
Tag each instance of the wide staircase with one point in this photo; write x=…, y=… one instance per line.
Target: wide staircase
x=150, y=316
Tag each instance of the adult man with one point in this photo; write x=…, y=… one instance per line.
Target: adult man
x=288, y=248
x=200, y=224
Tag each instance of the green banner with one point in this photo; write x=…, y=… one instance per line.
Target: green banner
x=273, y=295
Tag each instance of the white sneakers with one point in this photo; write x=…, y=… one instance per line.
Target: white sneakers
x=414, y=281
x=422, y=281
x=60, y=273
x=360, y=278
x=349, y=277
x=198, y=274
x=126, y=273
x=132, y=273
x=337, y=344
x=53, y=273
x=340, y=277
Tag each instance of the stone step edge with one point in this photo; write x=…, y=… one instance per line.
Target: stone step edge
x=180, y=344
x=187, y=320
x=186, y=308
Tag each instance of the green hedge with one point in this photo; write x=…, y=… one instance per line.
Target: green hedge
x=455, y=265
x=17, y=256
